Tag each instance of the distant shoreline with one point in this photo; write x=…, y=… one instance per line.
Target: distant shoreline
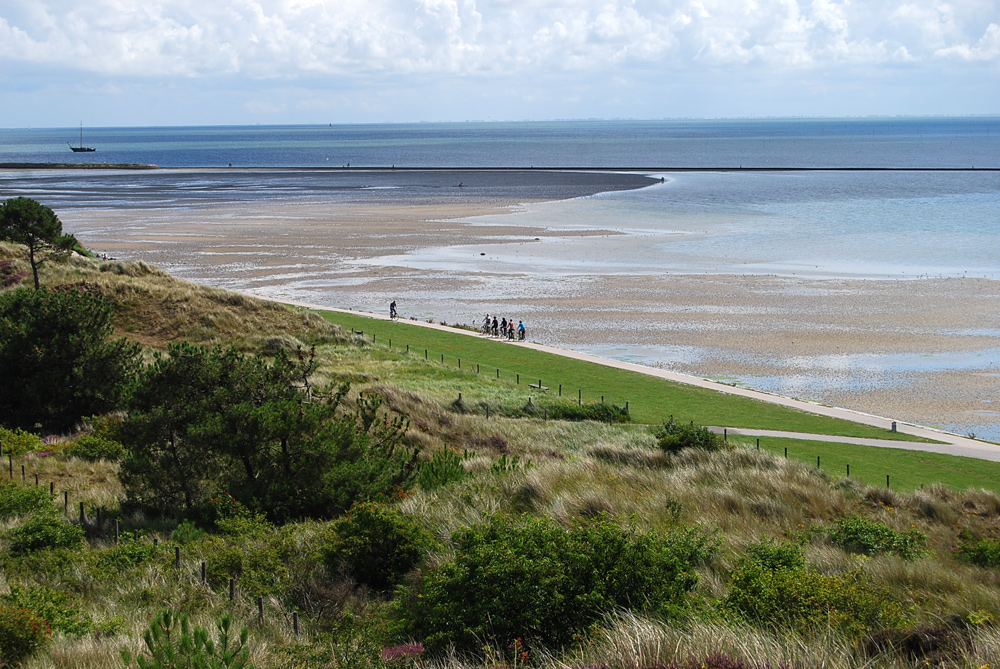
x=399, y=168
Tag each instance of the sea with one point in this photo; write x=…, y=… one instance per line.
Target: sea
x=880, y=198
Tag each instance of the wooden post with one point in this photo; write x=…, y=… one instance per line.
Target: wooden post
x=886, y=480
x=725, y=434
x=177, y=557
x=848, y=471
x=425, y=354
x=579, y=397
x=518, y=379
x=295, y=622
x=498, y=372
x=10, y=461
x=52, y=487
x=487, y=412
x=36, y=478
x=817, y=463
x=204, y=573
x=117, y=535
x=758, y=443
x=65, y=502
x=560, y=390
x=442, y=358
x=460, y=363
x=786, y=452
x=23, y=475
x=407, y=348
x=477, y=368
x=100, y=519
x=232, y=588
x=260, y=609
x=626, y=408
x=156, y=541
x=83, y=516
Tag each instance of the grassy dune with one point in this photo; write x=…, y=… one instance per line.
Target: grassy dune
x=565, y=471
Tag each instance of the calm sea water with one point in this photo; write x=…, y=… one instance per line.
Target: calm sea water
x=878, y=142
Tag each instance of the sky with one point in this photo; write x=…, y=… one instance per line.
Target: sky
x=234, y=62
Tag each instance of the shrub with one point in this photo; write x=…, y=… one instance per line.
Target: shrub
x=376, y=545
x=171, y=643
x=92, y=447
x=872, y=537
x=19, y=500
x=771, y=556
x=43, y=531
x=128, y=554
x=56, y=607
x=57, y=360
x=22, y=632
x=17, y=442
x=602, y=412
x=536, y=581
x=673, y=437
x=980, y=552
x=443, y=468
x=187, y=532
x=809, y=602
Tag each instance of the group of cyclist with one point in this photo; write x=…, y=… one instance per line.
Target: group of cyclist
x=493, y=326
x=503, y=328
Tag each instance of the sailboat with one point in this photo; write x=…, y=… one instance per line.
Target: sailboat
x=81, y=148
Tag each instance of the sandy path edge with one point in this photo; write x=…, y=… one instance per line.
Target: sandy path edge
x=953, y=444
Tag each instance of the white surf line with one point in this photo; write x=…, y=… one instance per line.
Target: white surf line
x=953, y=444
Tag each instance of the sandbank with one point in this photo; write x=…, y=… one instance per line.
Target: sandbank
x=924, y=351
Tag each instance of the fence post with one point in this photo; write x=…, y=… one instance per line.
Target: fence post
x=117, y=535
x=725, y=434
x=23, y=475
x=295, y=622
x=10, y=461
x=460, y=363
x=518, y=379
x=579, y=397
x=886, y=480
x=487, y=412
x=817, y=463
x=786, y=452
x=52, y=487
x=177, y=557
x=848, y=471
x=36, y=478
x=626, y=408
x=260, y=609
x=232, y=588
x=83, y=516
x=758, y=443
x=65, y=502
x=204, y=573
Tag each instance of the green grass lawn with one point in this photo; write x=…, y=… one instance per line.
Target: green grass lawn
x=650, y=399
x=907, y=470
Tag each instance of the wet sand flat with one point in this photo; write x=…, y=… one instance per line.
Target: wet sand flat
x=921, y=350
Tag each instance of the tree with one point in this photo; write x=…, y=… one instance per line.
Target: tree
x=26, y=221
x=204, y=421
x=56, y=359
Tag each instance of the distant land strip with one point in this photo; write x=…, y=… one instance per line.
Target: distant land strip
x=78, y=166
x=565, y=168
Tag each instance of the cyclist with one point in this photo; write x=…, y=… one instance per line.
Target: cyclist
x=392, y=310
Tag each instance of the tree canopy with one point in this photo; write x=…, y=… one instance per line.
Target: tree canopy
x=57, y=361
x=26, y=221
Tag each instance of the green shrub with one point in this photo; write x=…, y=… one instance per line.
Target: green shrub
x=771, y=556
x=56, y=607
x=92, y=447
x=259, y=569
x=43, y=531
x=376, y=545
x=872, y=537
x=809, y=602
x=534, y=580
x=19, y=500
x=128, y=554
x=602, y=412
x=171, y=643
x=187, y=532
x=22, y=632
x=673, y=437
x=980, y=552
x=17, y=442
x=443, y=468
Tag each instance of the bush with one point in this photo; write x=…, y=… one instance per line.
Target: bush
x=536, y=581
x=871, y=537
x=92, y=447
x=57, y=360
x=128, y=554
x=56, y=607
x=171, y=643
x=602, y=412
x=376, y=545
x=809, y=602
x=17, y=442
x=19, y=500
x=22, y=632
x=443, y=468
x=673, y=437
x=980, y=552
x=771, y=556
x=43, y=531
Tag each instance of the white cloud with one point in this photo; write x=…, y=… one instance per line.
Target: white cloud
x=289, y=38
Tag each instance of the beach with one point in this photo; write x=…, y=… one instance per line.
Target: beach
x=921, y=350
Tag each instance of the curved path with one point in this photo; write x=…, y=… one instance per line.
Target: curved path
x=951, y=444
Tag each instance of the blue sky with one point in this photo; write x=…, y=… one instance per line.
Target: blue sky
x=187, y=62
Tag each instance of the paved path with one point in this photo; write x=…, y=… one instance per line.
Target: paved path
x=952, y=444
